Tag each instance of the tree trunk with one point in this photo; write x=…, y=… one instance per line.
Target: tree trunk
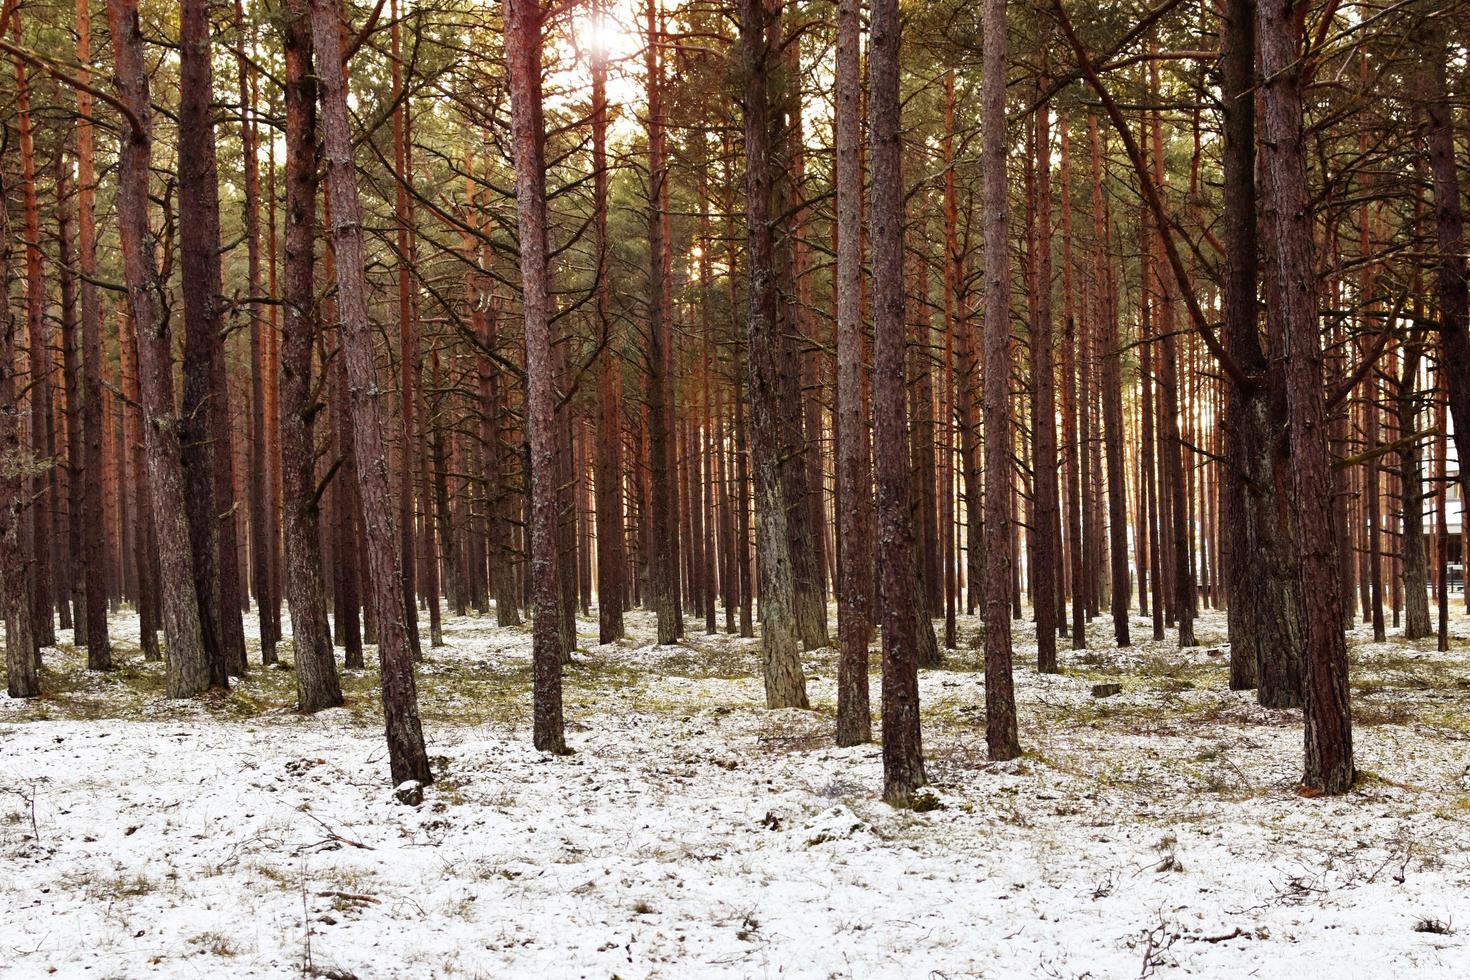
x=262, y=504
x=187, y=666
x=94, y=541
x=406, y=755
x=208, y=467
x=1328, y=723
x=21, y=667
x=1045, y=583
x=903, y=760
x=854, y=477
x=769, y=368
x=609, y=454
x=524, y=25
x=1000, y=702
x=317, y=685
x=39, y=382
x=1112, y=401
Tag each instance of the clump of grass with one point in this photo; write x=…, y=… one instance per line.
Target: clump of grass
x=1436, y=927
x=215, y=943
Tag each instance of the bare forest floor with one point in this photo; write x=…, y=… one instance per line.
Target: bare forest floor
x=694, y=833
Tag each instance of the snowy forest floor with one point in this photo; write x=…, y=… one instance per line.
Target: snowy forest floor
x=694, y=833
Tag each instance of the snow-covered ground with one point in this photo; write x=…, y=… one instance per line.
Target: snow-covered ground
x=694, y=833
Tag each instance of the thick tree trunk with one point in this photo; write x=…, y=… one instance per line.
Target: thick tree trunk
x=187, y=666
x=854, y=477
x=21, y=667
x=38, y=511
x=317, y=685
x=406, y=755
x=524, y=25
x=1453, y=290
x=903, y=760
x=1328, y=723
x=208, y=467
x=1000, y=702
x=769, y=368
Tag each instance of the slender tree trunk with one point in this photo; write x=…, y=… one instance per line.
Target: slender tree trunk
x=1000, y=702
x=406, y=755
x=663, y=565
x=611, y=559
x=1112, y=401
x=262, y=504
x=1044, y=575
x=94, y=542
x=70, y=580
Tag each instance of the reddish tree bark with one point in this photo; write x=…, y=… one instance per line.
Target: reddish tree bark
x=770, y=370
x=262, y=503
x=854, y=477
x=317, y=685
x=207, y=437
x=1328, y=723
x=406, y=755
x=525, y=20
x=94, y=542
x=903, y=759
x=1000, y=702
x=22, y=668
x=1045, y=581
x=187, y=666
x=43, y=620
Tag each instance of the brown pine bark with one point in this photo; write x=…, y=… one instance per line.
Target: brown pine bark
x=70, y=578
x=208, y=466
x=21, y=667
x=187, y=666
x=1451, y=281
x=1112, y=398
x=1000, y=702
x=317, y=685
x=38, y=512
x=1293, y=318
x=406, y=755
x=1045, y=580
x=408, y=352
x=525, y=21
x=903, y=759
x=262, y=503
x=770, y=370
x=94, y=543
x=608, y=474
x=1071, y=457
x=854, y=477
x=659, y=390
